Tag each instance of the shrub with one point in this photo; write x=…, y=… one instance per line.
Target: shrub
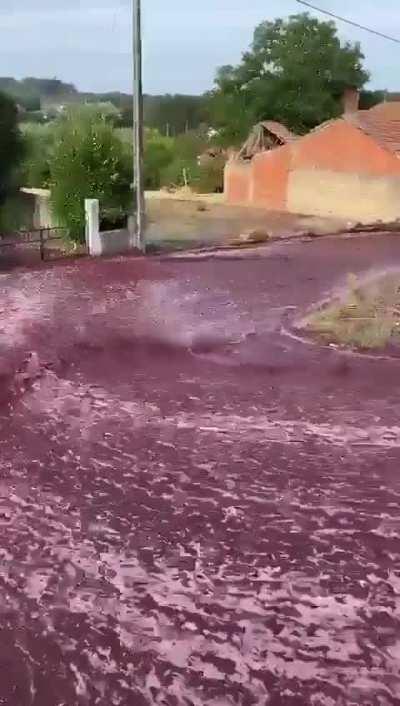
x=190, y=145
x=181, y=172
x=88, y=161
x=206, y=178
x=11, y=146
x=191, y=164
x=158, y=155
x=39, y=144
x=211, y=176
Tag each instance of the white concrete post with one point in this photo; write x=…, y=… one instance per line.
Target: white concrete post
x=92, y=227
x=132, y=232
x=110, y=242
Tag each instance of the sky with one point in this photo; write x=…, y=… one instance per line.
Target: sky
x=88, y=42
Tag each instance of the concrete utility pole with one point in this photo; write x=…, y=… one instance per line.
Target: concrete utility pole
x=138, y=180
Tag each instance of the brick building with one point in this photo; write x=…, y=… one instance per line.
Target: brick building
x=348, y=167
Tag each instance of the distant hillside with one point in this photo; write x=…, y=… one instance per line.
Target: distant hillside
x=171, y=114
x=30, y=92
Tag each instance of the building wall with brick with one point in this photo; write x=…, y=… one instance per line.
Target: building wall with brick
x=341, y=147
x=336, y=170
x=270, y=178
x=237, y=181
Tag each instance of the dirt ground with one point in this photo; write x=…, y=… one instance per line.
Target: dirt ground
x=195, y=508
x=180, y=220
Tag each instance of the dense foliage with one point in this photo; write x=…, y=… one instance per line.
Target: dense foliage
x=158, y=155
x=167, y=161
x=295, y=72
x=11, y=146
x=39, y=141
x=88, y=160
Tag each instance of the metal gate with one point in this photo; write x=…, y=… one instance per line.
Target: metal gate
x=27, y=244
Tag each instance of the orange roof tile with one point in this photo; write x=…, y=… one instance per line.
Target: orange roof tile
x=386, y=110
x=380, y=124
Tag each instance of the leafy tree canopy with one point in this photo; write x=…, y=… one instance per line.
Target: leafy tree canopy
x=295, y=72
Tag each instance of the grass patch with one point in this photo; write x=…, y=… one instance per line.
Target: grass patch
x=367, y=316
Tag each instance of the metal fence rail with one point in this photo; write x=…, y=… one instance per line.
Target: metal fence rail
x=32, y=237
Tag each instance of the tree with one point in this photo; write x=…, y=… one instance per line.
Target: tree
x=295, y=72
x=88, y=161
x=11, y=146
x=169, y=114
x=38, y=147
x=174, y=114
x=370, y=98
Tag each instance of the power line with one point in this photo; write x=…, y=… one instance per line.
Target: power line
x=349, y=22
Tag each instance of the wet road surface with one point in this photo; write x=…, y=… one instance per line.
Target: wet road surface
x=194, y=508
